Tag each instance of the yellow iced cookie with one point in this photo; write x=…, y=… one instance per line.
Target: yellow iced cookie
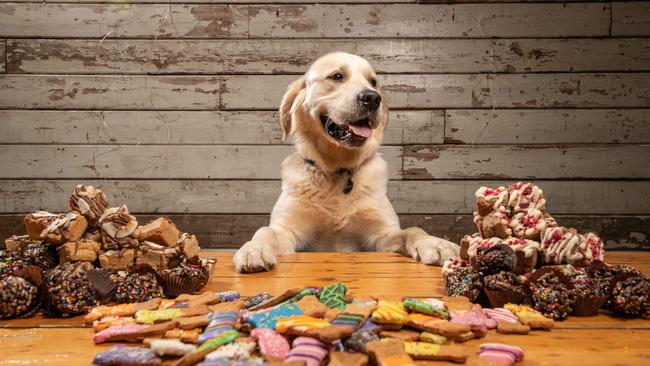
x=300, y=323
x=389, y=312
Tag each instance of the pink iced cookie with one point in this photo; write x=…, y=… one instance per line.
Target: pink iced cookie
x=474, y=318
x=115, y=330
x=501, y=353
x=309, y=350
x=501, y=315
x=271, y=343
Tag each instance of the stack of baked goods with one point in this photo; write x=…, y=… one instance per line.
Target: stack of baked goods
x=306, y=326
x=521, y=255
x=69, y=262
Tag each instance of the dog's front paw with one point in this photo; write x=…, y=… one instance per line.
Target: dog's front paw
x=255, y=257
x=432, y=250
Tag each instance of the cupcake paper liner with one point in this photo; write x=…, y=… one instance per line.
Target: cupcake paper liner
x=102, y=284
x=588, y=305
x=498, y=298
x=173, y=285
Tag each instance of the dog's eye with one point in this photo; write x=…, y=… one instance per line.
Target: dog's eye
x=338, y=76
x=373, y=82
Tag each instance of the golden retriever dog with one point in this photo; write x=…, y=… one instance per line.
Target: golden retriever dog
x=334, y=185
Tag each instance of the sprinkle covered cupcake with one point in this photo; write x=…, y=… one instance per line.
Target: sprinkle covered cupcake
x=630, y=296
x=494, y=259
x=136, y=287
x=68, y=289
x=462, y=280
x=505, y=287
x=551, y=293
x=17, y=296
x=588, y=295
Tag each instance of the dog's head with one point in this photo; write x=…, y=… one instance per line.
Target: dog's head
x=336, y=105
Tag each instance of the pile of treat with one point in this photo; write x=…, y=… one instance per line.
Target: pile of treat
x=69, y=262
x=520, y=255
x=306, y=326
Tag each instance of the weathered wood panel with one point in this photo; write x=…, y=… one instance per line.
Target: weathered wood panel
x=188, y=127
x=155, y=161
x=468, y=91
x=3, y=58
x=567, y=126
x=265, y=91
x=345, y=21
x=49, y=56
x=526, y=162
x=231, y=231
x=108, y=92
x=242, y=1
x=631, y=19
x=122, y=20
x=467, y=20
x=243, y=196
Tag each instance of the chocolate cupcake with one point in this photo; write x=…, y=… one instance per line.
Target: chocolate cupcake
x=503, y=288
x=551, y=293
x=136, y=287
x=187, y=278
x=43, y=256
x=17, y=296
x=463, y=281
x=588, y=296
x=68, y=289
x=630, y=296
x=602, y=274
x=494, y=259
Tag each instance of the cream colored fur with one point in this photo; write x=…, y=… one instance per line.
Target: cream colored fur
x=312, y=212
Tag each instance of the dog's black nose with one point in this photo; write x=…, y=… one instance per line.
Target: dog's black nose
x=369, y=100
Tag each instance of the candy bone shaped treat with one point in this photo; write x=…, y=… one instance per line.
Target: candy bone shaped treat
x=122, y=310
x=170, y=347
x=333, y=296
x=389, y=352
x=126, y=356
x=269, y=317
x=109, y=321
x=475, y=318
x=303, y=325
x=272, y=345
x=507, y=322
x=184, y=335
x=338, y=358
x=390, y=312
x=219, y=323
x=434, y=338
x=240, y=349
x=311, y=351
x=133, y=333
x=154, y=316
x=278, y=299
x=433, y=307
x=530, y=317
x=438, y=326
x=502, y=354
x=436, y=352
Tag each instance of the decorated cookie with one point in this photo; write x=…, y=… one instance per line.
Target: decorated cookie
x=184, y=335
x=241, y=349
x=475, y=318
x=155, y=316
x=278, y=299
x=358, y=340
x=311, y=351
x=530, y=317
x=170, y=347
x=389, y=352
x=219, y=340
x=438, y=326
x=257, y=300
x=298, y=324
x=404, y=335
x=126, y=356
x=132, y=333
x=109, y=321
x=311, y=306
x=500, y=353
x=272, y=345
x=334, y=296
x=268, y=318
x=437, y=352
x=434, y=338
x=219, y=323
x=431, y=307
x=389, y=312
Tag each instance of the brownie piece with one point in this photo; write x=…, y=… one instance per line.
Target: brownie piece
x=117, y=260
x=189, y=245
x=157, y=256
x=36, y=222
x=117, y=222
x=19, y=242
x=160, y=231
x=79, y=251
x=66, y=227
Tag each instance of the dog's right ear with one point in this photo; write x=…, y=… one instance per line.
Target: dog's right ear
x=287, y=105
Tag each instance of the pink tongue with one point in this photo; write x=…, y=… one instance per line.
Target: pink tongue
x=361, y=130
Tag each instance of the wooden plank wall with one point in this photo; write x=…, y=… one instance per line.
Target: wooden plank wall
x=170, y=106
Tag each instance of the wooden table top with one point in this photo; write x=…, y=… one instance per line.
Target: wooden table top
x=599, y=340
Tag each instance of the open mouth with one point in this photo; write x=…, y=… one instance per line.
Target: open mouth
x=354, y=133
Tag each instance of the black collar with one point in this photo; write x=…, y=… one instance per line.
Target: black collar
x=349, y=184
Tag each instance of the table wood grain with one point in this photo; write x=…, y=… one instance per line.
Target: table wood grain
x=599, y=340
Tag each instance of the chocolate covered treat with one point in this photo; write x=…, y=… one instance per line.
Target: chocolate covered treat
x=10, y=263
x=17, y=296
x=588, y=296
x=525, y=196
x=68, y=289
x=527, y=253
x=496, y=223
x=19, y=242
x=491, y=199
x=189, y=245
x=117, y=260
x=117, y=222
x=157, y=256
x=563, y=245
x=494, y=259
x=160, y=231
x=463, y=281
x=79, y=251
x=470, y=243
x=136, y=287
x=503, y=288
x=89, y=201
x=184, y=279
x=631, y=296
x=552, y=294
x=65, y=227
x=43, y=256
x=36, y=222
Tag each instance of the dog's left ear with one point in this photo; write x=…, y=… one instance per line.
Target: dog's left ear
x=287, y=105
